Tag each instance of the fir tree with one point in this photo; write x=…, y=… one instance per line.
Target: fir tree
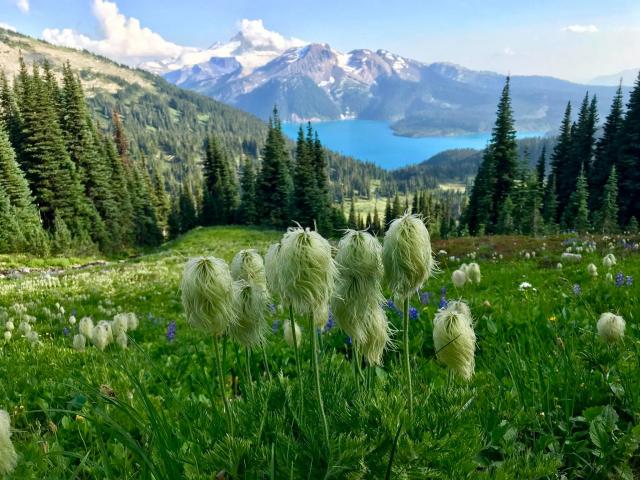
x=397, y=207
x=576, y=215
x=607, y=216
x=352, y=221
x=388, y=214
x=11, y=237
x=550, y=203
x=320, y=169
x=478, y=212
x=607, y=151
x=560, y=160
x=541, y=166
x=376, y=228
x=220, y=189
x=305, y=183
x=248, y=208
x=274, y=185
x=121, y=187
x=629, y=161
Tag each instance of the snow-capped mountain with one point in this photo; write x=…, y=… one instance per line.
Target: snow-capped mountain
x=258, y=69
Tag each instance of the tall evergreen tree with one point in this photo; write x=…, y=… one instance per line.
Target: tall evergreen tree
x=397, y=206
x=582, y=141
x=541, y=166
x=220, y=188
x=376, y=227
x=576, y=215
x=607, y=217
x=321, y=173
x=629, y=160
x=274, y=185
x=121, y=187
x=607, y=150
x=550, y=203
x=388, y=214
x=352, y=221
x=305, y=183
x=248, y=208
x=560, y=160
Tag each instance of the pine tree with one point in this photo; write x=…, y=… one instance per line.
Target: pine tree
x=188, y=214
x=388, y=214
x=320, y=169
x=352, y=221
x=220, y=188
x=305, y=183
x=274, y=185
x=9, y=113
x=576, y=215
x=376, y=228
x=582, y=141
x=607, y=216
x=541, y=166
x=397, y=207
x=560, y=159
x=11, y=237
x=550, y=203
x=607, y=151
x=478, y=212
x=147, y=231
x=629, y=161
x=120, y=186
x=248, y=209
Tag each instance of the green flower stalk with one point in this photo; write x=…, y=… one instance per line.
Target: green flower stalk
x=357, y=302
x=8, y=456
x=611, y=327
x=209, y=298
x=454, y=339
x=247, y=268
x=306, y=278
x=408, y=263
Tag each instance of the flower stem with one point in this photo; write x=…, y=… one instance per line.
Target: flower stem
x=316, y=369
x=225, y=401
x=407, y=364
x=297, y=356
x=266, y=361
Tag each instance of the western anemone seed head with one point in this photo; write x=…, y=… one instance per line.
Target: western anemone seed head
x=473, y=273
x=122, y=340
x=358, y=286
x=120, y=324
x=7, y=336
x=24, y=327
x=248, y=269
x=592, y=270
x=9, y=326
x=406, y=255
x=609, y=277
x=377, y=338
x=271, y=268
x=33, y=338
x=609, y=260
x=132, y=321
x=559, y=266
x=306, y=271
x=102, y=335
x=459, y=278
x=86, y=327
x=454, y=339
x=611, y=327
x=79, y=342
x=209, y=295
x=8, y=456
x=288, y=333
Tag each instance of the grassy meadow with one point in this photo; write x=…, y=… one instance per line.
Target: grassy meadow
x=549, y=399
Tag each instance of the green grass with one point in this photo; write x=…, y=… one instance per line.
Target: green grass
x=549, y=399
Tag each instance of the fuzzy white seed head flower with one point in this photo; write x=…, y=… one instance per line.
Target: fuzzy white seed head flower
x=459, y=278
x=559, y=266
x=288, y=333
x=473, y=273
x=407, y=258
x=378, y=338
x=122, y=340
x=609, y=260
x=592, y=270
x=102, y=335
x=359, y=284
x=455, y=340
x=209, y=295
x=32, y=337
x=132, y=321
x=8, y=456
x=247, y=268
x=271, y=268
x=611, y=327
x=79, y=342
x=609, y=277
x=7, y=336
x=306, y=271
x=9, y=326
x=527, y=255
x=120, y=324
x=86, y=327
x=72, y=320
x=24, y=327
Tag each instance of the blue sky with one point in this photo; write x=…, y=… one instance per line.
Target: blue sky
x=574, y=39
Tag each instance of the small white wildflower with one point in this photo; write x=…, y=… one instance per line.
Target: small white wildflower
x=459, y=278
x=611, y=327
x=559, y=266
x=79, y=342
x=527, y=255
x=7, y=336
x=72, y=320
x=86, y=327
x=9, y=325
x=525, y=286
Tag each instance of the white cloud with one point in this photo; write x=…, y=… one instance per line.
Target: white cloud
x=509, y=52
x=6, y=26
x=124, y=39
x=23, y=5
x=581, y=29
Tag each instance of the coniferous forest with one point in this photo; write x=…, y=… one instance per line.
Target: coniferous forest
x=588, y=183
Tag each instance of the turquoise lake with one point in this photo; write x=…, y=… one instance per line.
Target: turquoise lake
x=374, y=141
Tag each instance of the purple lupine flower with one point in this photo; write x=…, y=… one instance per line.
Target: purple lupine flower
x=65, y=331
x=413, y=313
x=425, y=297
x=348, y=341
x=629, y=280
x=171, y=331
x=619, y=279
x=329, y=325
x=272, y=307
x=576, y=289
x=443, y=303
x=275, y=326
x=392, y=306
x=443, y=291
